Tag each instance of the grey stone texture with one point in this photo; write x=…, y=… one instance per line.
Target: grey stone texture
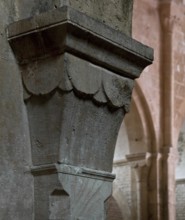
x=120, y=11
x=16, y=184
x=76, y=38
x=73, y=192
x=117, y=13
x=180, y=199
x=59, y=126
x=65, y=29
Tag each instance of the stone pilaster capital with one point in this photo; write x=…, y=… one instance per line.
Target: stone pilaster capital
x=141, y=170
x=143, y=167
x=141, y=163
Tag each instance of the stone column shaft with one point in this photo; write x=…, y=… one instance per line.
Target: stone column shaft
x=140, y=164
x=171, y=20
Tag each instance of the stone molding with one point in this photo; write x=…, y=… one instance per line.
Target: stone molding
x=133, y=159
x=69, y=193
x=180, y=181
x=71, y=170
x=67, y=30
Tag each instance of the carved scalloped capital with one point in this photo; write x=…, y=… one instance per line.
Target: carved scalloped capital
x=69, y=73
x=53, y=48
x=78, y=75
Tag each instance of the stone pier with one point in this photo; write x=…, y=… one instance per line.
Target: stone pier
x=78, y=75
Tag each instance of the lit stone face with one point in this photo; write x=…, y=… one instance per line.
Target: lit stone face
x=115, y=13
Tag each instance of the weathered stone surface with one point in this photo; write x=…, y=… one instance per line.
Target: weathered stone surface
x=69, y=73
x=43, y=77
x=64, y=125
x=78, y=77
x=85, y=77
x=180, y=199
x=61, y=120
x=119, y=86
x=65, y=29
x=117, y=14
x=70, y=193
x=80, y=128
x=16, y=185
x=44, y=115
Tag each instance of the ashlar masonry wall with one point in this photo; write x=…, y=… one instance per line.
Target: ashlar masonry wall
x=180, y=177
x=180, y=199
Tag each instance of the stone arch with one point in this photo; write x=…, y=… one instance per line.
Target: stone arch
x=136, y=138
x=138, y=128
x=140, y=104
x=114, y=210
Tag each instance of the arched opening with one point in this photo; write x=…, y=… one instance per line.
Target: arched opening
x=114, y=209
x=180, y=176
x=133, y=144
